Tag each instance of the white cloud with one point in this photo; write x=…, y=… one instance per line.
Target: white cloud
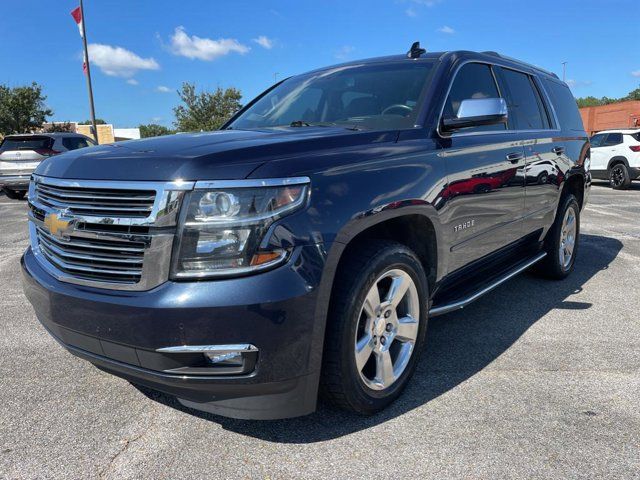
x=427, y=3
x=636, y=73
x=264, y=42
x=163, y=89
x=344, y=52
x=118, y=61
x=410, y=12
x=203, y=48
x=132, y=81
x=579, y=83
x=446, y=29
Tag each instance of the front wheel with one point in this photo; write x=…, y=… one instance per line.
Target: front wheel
x=561, y=243
x=376, y=327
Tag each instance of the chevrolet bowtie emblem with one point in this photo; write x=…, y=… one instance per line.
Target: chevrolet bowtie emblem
x=57, y=226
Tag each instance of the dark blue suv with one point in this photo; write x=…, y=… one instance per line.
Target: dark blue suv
x=301, y=249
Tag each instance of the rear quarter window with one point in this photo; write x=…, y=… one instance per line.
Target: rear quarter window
x=564, y=105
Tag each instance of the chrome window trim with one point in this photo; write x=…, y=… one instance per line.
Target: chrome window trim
x=498, y=132
x=250, y=183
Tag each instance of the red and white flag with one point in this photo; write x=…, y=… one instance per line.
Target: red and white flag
x=77, y=16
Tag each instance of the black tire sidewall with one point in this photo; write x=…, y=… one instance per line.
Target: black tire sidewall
x=625, y=173
x=364, y=398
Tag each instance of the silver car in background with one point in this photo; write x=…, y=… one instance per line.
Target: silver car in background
x=21, y=154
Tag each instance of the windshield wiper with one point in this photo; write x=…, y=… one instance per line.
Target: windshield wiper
x=302, y=123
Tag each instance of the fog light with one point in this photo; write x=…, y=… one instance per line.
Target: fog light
x=231, y=358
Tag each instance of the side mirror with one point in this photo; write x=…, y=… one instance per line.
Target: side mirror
x=475, y=112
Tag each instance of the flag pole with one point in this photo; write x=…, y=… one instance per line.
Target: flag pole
x=88, y=67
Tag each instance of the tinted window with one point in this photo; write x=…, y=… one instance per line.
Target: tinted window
x=474, y=80
x=613, y=139
x=565, y=105
x=635, y=136
x=25, y=143
x=525, y=107
x=73, y=143
x=596, y=140
x=379, y=96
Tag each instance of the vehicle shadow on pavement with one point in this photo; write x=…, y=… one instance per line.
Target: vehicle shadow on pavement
x=458, y=346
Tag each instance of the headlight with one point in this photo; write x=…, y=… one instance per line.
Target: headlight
x=222, y=228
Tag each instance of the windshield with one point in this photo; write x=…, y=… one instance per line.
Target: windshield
x=372, y=96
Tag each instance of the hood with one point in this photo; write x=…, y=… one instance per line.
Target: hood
x=220, y=155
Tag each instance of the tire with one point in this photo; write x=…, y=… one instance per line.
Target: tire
x=556, y=265
x=619, y=177
x=14, y=194
x=542, y=178
x=383, y=337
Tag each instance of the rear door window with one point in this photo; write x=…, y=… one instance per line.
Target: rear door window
x=25, y=143
x=73, y=143
x=613, y=139
x=474, y=80
x=564, y=105
x=526, y=109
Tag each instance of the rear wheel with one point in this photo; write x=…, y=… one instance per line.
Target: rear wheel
x=14, y=194
x=619, y=177
x=561, y=242
x=376, y=328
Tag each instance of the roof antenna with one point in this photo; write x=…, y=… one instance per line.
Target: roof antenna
x=416, y=51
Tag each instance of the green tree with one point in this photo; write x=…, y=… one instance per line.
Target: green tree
x=205, y=110
x=633, y=94
x=60, y=127
x=99, y=121
x=153, y=130
x=22, y=109
x=588, y=102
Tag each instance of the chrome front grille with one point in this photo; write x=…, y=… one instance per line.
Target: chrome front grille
x=115, y=235
x=112, y=261
x=112, y=201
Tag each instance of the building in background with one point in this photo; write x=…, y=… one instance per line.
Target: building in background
x=613, y=116
x=106, y=132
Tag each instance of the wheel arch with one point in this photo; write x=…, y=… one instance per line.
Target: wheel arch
x=616, y=160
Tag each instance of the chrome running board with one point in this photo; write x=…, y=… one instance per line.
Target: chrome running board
x=460, y=304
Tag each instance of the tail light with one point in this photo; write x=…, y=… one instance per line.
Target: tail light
x=47, y=152
x=635, y=148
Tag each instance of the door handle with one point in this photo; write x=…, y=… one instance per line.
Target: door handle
x=515, y=157
x=558, y=150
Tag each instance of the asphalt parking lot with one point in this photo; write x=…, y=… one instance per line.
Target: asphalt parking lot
x=537, y=379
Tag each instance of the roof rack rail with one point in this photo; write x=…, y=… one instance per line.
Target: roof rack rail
x=505, y=57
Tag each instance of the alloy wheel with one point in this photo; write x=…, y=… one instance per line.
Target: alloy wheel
x=387, y=329
x=567, y=237
x=617, y=176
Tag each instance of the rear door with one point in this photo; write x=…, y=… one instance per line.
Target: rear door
x=532, y=123
x=20, y=155
x=484, y=197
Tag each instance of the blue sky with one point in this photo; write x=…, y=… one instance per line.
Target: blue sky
x=145, y=47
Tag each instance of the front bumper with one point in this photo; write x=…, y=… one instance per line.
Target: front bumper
x=15, y=182
x=120, y=332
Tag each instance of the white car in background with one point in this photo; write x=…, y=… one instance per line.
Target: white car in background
x=21, y=154
x=615, y=156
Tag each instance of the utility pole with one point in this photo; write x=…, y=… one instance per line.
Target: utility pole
x=88, y=67
x=275, y=77
x=564, y=71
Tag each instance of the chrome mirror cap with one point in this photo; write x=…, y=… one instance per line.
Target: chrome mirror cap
x=475, y=112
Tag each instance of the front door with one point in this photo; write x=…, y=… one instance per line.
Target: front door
x=484, y=198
